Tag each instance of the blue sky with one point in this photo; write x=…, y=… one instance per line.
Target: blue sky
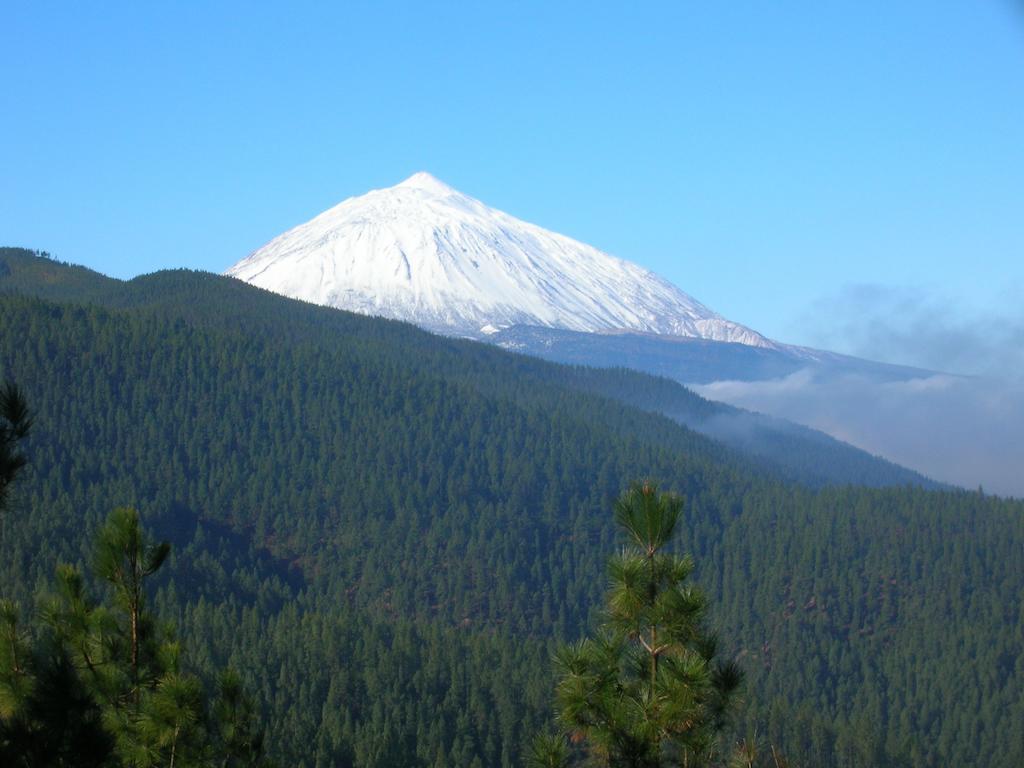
x=765, y=157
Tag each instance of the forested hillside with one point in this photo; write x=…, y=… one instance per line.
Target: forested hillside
x=386, y=532
x=781, y=448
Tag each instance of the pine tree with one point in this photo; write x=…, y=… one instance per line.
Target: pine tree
x=15, y=424
x=103, y=685
x=646, y=691
x=125, y=558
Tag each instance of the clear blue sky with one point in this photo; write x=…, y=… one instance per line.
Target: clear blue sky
x=762, y=156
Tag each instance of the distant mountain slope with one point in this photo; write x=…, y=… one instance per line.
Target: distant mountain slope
x=224, y=304
x=689, y=361
x=425, y=253
x=790, y=450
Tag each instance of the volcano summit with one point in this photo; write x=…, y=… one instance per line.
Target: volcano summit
x=427, y=254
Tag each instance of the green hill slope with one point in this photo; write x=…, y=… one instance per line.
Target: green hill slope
x=217, y=303
x=387, y=531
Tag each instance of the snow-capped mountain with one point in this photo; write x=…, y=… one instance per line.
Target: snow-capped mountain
x=428, y=254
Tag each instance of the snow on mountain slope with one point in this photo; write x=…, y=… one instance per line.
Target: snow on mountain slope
x=425, y=253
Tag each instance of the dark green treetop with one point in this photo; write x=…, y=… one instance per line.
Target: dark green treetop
x=647, y=690
x=15, y=423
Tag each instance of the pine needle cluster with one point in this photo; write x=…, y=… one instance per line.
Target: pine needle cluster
x=646, y=690
x=103, y=684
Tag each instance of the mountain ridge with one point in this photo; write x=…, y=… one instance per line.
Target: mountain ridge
x=426, y=253
x=777, y=447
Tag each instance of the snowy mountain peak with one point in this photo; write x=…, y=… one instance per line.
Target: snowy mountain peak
x=424, y=252
x=424, y=182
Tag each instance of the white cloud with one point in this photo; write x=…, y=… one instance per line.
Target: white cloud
x=963, y=430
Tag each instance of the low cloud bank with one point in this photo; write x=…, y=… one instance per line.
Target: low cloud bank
x=961, y=430
x=909, y=326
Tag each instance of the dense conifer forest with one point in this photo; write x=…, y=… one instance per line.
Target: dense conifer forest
x=389, y=533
